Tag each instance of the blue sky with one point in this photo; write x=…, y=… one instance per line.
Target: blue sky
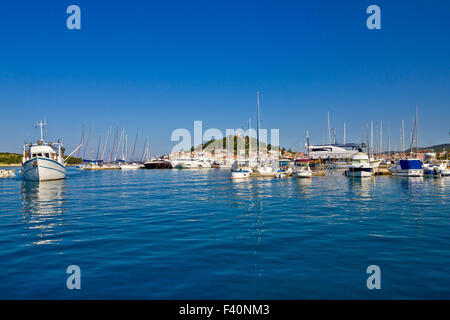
x=159, y=65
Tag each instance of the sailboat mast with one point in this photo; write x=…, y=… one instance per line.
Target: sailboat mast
x=106, y=143
x=81, y=142
x=307, y=142
x=134, y=146
x=329, y=129
x=344, y=133
x=257, y=129
x=98, y=148
x=249, y=140
x=417, y=136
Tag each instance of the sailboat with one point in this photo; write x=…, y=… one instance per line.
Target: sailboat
x=267, y=168
x=131, y=165
x=241, y=168
x=409, y=167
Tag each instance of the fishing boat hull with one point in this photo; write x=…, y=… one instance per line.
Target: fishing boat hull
x=42, y=169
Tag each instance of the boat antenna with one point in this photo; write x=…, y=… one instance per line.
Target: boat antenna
x=41, y=125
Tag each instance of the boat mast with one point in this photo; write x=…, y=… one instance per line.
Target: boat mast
x=329, y=129
x=344, y=133
x=98, y=148
x=106, y=143
x=114, y=144
x=417, y=136
x=389, y=138
x=81, y=142
x=134, y=146
x=41, y=125
x=307, y=143
x=371, y=138
x=249, y=140
x=258, y=126
x=144, y=152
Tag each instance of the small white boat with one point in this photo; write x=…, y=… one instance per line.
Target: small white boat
x=302, y=169
x=360, y=166
x=407, y=168
x=241, y=170
x=436, y=169
x=190, y=163
x=130, y=166
x=41, y=161
x=267, y=169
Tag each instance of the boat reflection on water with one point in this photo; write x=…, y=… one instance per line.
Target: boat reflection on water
x=43, y=207
x=363, y=188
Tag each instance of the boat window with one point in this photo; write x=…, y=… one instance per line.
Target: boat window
x=46, y=155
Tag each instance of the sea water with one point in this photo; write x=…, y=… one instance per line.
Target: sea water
x=197, y=234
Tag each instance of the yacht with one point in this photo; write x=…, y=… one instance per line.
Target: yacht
x=267, y=169
x=438, y=169
x=241, y=169
x=130, y=166
x=42, y=161
x=302, y=169
x=407, y=168
x=158, y=164
x=190, y=163
x=360, y=166
x=334, y=152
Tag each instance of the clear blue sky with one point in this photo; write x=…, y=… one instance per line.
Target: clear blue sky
x=160, y=65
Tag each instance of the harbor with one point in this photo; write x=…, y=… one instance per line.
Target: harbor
x=221, y=157
x=146, y=226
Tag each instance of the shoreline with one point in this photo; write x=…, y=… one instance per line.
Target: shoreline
x=10, y=164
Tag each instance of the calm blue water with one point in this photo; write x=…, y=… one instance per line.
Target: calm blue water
x=177, y=234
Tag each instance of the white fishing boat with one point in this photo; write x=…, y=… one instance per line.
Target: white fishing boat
x=407, y=168
x=302, y=169
x=240, y=170
x=41, y=161
x=360, y=166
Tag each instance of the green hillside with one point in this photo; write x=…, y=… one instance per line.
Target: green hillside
x=10, y=158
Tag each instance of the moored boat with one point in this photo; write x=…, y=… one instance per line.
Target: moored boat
x=240, y=170
x=407, y=168
x=302, y=169
x=360, y=166
x=41, y=161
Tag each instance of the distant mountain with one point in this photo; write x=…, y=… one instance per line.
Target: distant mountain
x=221, y=144
x=437, y=148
